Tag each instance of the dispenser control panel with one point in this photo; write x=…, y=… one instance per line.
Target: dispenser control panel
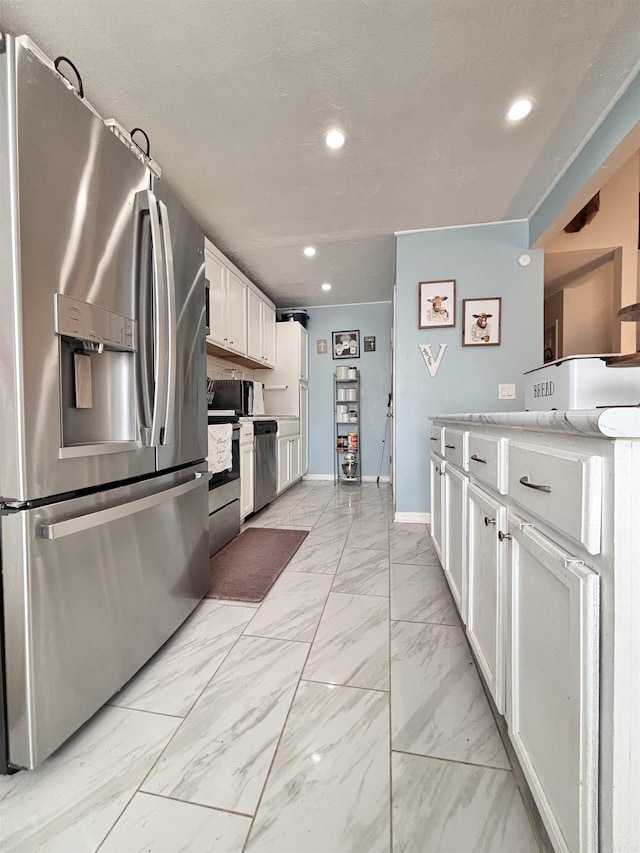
x=90, y=323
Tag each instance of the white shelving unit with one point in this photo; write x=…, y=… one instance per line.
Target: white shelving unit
x=346, y=418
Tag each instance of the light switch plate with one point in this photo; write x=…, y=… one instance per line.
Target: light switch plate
x=506, y=391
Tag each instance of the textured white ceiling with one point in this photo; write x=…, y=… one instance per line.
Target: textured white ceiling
x=236, y=96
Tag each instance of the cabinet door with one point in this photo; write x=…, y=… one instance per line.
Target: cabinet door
x=254, y=325
x=294, y=458
x=247, y=467
x=236, y=314
x=553, y=701
x=216, y=274
x=455, y=531
x=268, y=335
x=284, y=476
x=486, y=593
x=437, y=488
x=304, y=428
x=304, y=355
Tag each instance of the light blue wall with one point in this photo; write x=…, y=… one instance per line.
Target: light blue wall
x=375, y=381
x=483, y=260
x=623, y=117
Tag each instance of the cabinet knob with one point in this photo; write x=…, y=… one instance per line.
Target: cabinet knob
x=502, y=536
x=488, y=521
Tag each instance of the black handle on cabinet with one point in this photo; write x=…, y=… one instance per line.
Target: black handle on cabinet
x=488, y=521
x=434, y=439
x=450, y=446
x=207, y=321
x=56, y=63
x=477, y=459
x=525, y=482
x=502, y=536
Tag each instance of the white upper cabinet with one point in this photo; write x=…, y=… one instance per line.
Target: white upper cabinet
x=261, y=344
x=216, y=275
x=236, y=314
x=241, y=319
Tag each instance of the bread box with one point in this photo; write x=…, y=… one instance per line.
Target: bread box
x=580, y=382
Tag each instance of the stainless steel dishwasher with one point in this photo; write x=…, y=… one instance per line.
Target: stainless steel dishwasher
x=265, y=481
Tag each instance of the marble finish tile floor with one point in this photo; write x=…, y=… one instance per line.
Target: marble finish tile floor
x=344, y=714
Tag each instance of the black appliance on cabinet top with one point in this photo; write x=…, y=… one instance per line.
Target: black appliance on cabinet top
x=235, y=394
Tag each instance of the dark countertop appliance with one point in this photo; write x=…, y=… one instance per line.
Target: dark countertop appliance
x=235, y=394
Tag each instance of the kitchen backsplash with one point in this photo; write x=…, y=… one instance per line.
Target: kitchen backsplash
x=219, y=368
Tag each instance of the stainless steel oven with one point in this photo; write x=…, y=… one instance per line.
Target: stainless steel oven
x=224, y=492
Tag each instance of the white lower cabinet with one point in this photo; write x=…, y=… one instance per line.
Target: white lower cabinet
x=247, y=471
x=552, y=709
x=486, y=588
x=288, y=461
x=454, y=527
x=437, y=487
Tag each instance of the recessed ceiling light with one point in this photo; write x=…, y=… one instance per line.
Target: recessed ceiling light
x=334, y=139
x=309, y=251
x=326, y=286
x=519, y=110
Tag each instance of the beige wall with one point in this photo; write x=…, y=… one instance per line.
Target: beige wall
x=589, y=315
x=616, y=224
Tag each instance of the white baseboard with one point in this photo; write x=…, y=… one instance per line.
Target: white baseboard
x=367, y=479
x=412, y=517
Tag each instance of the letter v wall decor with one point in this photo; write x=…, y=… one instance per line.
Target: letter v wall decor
x=432, y=363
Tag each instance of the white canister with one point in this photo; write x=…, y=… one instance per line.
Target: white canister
x=344, y=418
x=352, y=372
x=342, y=372
x=342, y=394
x=352, y=394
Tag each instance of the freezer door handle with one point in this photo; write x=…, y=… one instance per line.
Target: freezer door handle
x=60, y=529
x=166, y=436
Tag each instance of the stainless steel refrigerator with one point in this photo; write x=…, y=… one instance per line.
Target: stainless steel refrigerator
x=103, y=488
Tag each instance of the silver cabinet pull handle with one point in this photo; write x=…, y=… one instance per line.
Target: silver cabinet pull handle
x=488, y=521
x=477, y=459
x=502, y=536
x=450, y=446
x=525, y=482
x=433, y=439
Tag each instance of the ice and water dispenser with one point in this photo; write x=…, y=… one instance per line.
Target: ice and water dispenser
x=97, y=376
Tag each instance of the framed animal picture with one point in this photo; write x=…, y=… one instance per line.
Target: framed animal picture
x=481, y=321
x=437, y=304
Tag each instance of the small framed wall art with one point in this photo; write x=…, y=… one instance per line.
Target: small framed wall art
x=346, y=344
x=481, y=322
x=437, y=304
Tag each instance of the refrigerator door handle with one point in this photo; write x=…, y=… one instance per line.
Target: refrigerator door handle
x=166, y=436
x=148, y=203
x=60, y=529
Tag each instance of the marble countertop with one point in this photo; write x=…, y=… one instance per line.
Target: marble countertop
x=270, y=418
x=618, y=422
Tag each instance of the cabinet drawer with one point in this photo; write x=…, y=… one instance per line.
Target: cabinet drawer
x=564, y=489
x=488, y=460
x=456, y=444
x=435, y=439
